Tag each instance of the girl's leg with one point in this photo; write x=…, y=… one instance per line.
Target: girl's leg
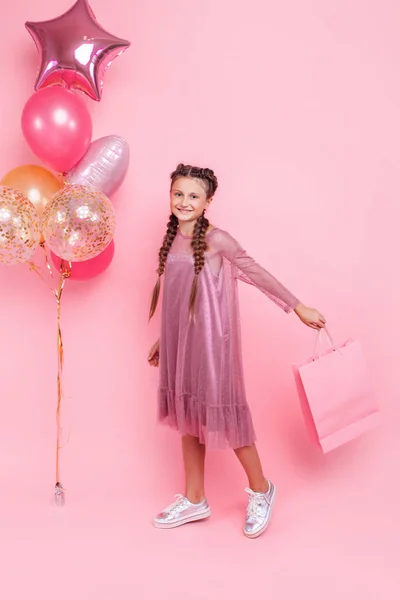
x=193, y=506
x=194, y=455
x=250, y=461
x=262, y=493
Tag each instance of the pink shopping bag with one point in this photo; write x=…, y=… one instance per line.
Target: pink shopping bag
x=336, y=394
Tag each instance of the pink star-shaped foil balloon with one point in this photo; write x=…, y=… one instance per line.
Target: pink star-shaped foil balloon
x=75, y=50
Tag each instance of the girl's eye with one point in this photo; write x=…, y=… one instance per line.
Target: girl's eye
x=177, y=194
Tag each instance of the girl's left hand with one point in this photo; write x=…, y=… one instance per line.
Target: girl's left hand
x=310, y=317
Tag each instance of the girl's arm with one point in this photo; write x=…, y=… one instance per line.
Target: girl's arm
x=252, y=273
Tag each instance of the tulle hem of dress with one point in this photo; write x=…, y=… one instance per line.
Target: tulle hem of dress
x=218, y=427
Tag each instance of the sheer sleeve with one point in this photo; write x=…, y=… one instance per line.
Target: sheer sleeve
x=252, y=273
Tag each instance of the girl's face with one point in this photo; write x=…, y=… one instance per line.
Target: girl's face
x=188, y=199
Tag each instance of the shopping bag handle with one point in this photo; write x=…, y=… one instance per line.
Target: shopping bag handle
x=318, y=341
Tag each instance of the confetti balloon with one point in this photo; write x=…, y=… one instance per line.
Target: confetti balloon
x=78, y=223
x=19, y=227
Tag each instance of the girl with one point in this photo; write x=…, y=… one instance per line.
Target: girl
x=202, y=392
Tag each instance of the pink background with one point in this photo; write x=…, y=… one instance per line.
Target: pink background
x=296, y=107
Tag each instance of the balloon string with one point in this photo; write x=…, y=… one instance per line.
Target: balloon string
x=65, y=273
x=36, y=269
x=46, y=258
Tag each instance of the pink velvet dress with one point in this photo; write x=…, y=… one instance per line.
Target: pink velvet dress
x=202, y=390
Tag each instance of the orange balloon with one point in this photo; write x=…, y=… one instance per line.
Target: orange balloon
x=35, y=183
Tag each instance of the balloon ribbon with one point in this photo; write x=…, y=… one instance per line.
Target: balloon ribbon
x=65, y=273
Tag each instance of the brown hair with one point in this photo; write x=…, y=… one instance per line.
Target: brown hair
x=199, y=244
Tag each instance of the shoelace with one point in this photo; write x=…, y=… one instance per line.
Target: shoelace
x=179, y=504
x=257, y=504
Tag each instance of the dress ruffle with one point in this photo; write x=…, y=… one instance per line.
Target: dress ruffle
x=217, y=427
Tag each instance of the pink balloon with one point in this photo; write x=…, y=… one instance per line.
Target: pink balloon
x=58, y=127
x=82, y=271
x=104, y=165
x=74, y=50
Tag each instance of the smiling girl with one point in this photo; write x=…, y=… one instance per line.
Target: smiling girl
x=202, y=392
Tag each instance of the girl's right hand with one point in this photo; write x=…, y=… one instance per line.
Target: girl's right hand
x=154, y=355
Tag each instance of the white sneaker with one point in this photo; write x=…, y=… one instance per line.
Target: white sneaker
x=259, y=511
x=181, y=512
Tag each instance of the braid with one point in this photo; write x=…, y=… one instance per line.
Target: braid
x=199, y=246
x=172, y=229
